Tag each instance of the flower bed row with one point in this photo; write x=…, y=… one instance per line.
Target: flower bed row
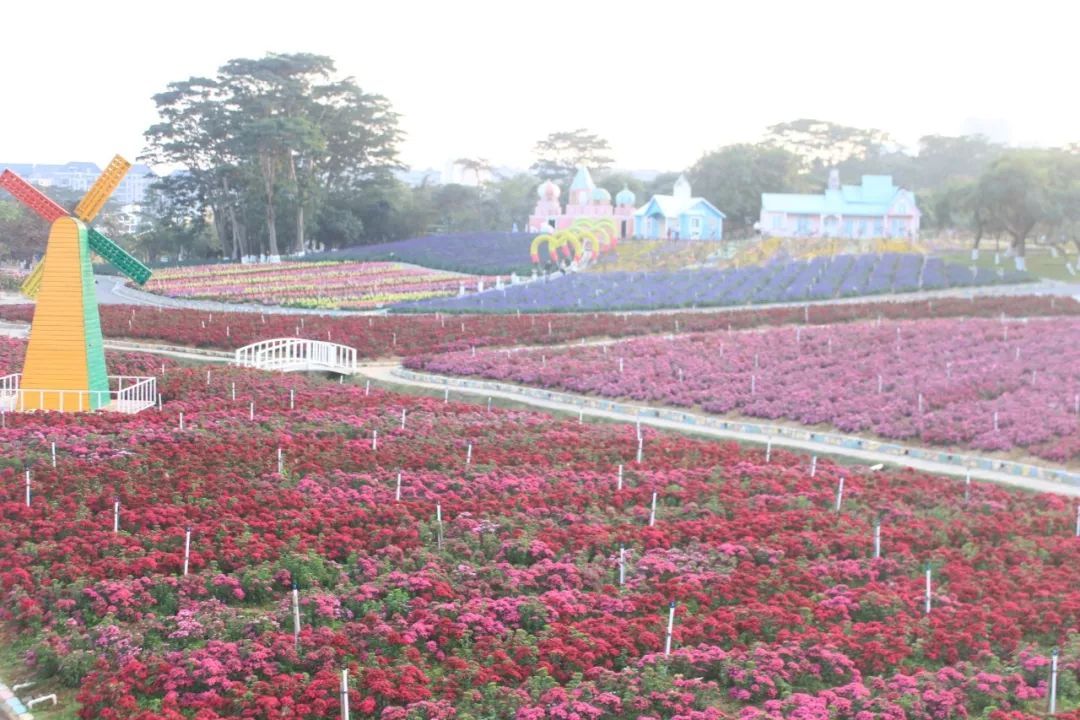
x=355, y=286
x=476, y=252
x=385, y=336
x=968, y=382
x=511, y=607
x=821, y=278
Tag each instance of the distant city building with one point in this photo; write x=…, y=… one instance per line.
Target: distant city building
x=79, y=176
x=874, y=209
x=585, y=200
x=679, y=216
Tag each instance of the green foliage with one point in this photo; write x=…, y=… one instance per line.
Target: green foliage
x=734, y=177
x=310, y=570
x=265, y=140
x=560, y=153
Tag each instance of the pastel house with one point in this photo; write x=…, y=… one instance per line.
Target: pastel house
x=585, y=200
x=876, y=208
x=679, y=216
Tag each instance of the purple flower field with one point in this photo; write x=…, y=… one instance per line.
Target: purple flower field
x=973, y=383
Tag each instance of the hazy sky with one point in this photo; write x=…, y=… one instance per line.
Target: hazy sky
x=663, y=81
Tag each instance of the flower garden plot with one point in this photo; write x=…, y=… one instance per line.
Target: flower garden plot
x=821, y=278
x=979, y=384
x=11, y=279
x=387, y=336
x=310, y=284
x=517, y=612
x=477, y=252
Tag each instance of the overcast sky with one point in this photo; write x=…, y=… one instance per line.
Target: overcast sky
x=664, y=81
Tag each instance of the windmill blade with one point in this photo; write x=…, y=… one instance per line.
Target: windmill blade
x=32, y=283
x=31, y=197
x=103, y=187
x=119, y=257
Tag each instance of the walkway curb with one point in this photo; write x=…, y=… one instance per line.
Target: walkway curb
x=1034, y=477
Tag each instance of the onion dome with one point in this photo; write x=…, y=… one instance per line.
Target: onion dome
x=600, y=195
x=548, y=191
x=625, y=196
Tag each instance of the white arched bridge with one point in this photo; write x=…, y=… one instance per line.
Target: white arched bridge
x=298, y=355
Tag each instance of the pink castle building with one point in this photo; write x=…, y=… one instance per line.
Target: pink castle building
x=585, y=200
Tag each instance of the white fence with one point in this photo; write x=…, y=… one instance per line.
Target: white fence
x=126, y=394
x=297, y=355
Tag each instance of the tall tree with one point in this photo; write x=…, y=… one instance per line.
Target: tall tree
x=821, y=144
x=734, y=177
x=1016, y=192
x=479, y=167
x=560, y=153
x=271, y=134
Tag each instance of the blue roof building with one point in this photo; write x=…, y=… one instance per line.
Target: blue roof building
x=876, y=208
x=679, y=216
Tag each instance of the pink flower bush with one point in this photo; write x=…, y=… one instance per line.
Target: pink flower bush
x=972, y=383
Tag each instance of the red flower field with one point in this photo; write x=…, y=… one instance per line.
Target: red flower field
x=511, y=606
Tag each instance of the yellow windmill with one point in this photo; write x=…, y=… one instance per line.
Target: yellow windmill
x=65, y=359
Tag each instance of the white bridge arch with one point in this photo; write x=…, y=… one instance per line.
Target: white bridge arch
x=298, y=355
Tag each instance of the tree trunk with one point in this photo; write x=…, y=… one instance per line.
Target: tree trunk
x=267, y=163
x=299, y=206
x=1019, y=246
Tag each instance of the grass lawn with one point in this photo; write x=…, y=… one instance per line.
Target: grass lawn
x=1039, y=262
x=13, y=671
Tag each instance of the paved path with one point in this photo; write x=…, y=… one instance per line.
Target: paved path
x=385, y=373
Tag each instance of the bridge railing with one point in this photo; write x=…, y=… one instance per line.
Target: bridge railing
x=295, y=354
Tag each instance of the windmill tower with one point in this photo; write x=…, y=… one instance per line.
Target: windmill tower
x=65, y=360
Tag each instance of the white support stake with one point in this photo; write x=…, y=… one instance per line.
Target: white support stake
x=622, y=565
x=813, y=465
x=468, y=455
x=438, y=519
x=296, y=614
x=187, y=548
x=367, y=388
x=280, y=462
x=116, y=515
x=345, y=694
x=28, y=487
x=640, y=449
x=928, y=571
x=1053, y=681
x=652, y=510
x=397, y=490
x=402, y=418
x=877, y=538
x=54, y=446
x=619, y=487
x=839, y=494
x=374, y=440
x=292, y=399
x=670, y=628
x=768, y=450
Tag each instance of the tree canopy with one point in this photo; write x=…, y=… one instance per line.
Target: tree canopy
x=279, y=134
x=560, y=153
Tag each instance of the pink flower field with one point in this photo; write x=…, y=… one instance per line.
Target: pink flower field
x=975, y=383
x=349, y=285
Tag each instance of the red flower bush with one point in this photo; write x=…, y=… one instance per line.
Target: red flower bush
x=511, y=606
